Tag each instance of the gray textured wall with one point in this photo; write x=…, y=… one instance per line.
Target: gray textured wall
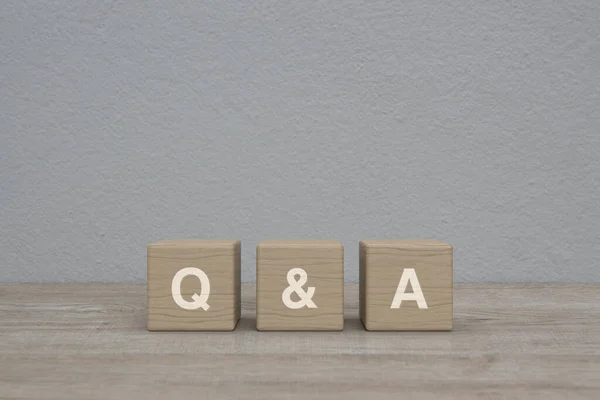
x=124, y=122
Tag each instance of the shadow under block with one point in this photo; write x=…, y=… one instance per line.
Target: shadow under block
x=391, y=273
x=288, y=271
x=194, y=285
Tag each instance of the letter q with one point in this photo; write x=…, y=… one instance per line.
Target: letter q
x=199, y=301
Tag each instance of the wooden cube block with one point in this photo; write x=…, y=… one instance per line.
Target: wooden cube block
x=300, y=285
x=194, y=285
x=406, y=285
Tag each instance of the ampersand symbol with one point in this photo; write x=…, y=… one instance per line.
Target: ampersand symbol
x=296, y=286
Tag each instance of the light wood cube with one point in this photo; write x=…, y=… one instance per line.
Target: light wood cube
x=194, y=285
x=406, y=285
x=300, y=285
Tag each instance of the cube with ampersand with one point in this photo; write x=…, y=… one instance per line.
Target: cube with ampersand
x=300, y=285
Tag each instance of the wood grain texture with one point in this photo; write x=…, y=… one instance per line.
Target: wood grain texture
x=323, y=262
x=219, y=260
x=382, y=263
x=89, y=341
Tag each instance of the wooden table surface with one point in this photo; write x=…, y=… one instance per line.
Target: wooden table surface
x=89, y=341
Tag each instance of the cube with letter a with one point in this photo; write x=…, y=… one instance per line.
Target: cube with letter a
x=194, y=285
x=299, y=285
x=406, y=285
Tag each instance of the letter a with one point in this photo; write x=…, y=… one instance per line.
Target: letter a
x=409, y=274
